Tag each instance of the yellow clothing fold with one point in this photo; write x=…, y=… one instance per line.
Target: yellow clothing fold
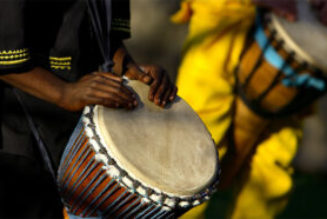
x=217, y=32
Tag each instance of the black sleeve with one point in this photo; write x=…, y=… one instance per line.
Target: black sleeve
x=121, y=18
x=14, y=53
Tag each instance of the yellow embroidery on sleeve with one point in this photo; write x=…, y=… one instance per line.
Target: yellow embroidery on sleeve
x=14, y=57
x=54, y=58
x=61, y=67
x=14, y=62
x=61, y=63
x=121, y=29
x=119, y=24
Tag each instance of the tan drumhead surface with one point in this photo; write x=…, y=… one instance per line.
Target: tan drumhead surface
x=307, y=36
x=169, y=149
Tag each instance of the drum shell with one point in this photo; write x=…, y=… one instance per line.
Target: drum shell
x=87, y=190
x=260, y=83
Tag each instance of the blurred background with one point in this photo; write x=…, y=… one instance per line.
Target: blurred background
x=156, y=40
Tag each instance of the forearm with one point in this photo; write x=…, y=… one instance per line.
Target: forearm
x=123, y=61
x=40, y=83
x=162, y=90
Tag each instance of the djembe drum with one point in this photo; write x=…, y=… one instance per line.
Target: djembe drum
x=146, y=163
x=282, y=71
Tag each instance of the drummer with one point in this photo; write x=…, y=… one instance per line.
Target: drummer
x=206, y=81
x=47, y=51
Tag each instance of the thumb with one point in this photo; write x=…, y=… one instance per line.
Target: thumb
x=136, y=73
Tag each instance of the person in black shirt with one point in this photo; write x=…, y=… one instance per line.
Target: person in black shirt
x=49, y=52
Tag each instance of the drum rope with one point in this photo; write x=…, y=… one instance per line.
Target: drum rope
x=79, y=180
x=288, y=60
x=100, y=180
x=127, y=199
x=259, y=61
x=78, y=201
x=111, y=182
x=68, y=177
x=111, y=192
x=120, y=198
x=70, y=153
x=129, y=208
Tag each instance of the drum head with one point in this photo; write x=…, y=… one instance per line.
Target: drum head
x=167, y=149
x=307, y=36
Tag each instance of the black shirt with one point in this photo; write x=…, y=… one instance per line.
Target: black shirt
x=56, y=35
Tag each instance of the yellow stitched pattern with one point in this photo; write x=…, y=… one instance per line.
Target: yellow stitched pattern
x=13, y=57
x=60, y=63
x=121, y=29
x=61, y=67
x=68, y=58
x=14, y=62
x=121, y=25
x=121, y=22
x=11, y=52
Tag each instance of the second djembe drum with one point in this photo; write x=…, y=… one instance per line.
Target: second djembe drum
x=283, y=68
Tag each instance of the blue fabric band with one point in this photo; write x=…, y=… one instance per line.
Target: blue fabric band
x=293, y=79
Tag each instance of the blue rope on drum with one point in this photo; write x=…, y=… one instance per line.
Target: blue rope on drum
x=71, y=216
x=293, y=79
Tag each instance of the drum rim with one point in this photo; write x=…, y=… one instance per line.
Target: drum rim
x=130, y=182
x=300, y=55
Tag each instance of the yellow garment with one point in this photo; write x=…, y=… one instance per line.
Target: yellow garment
x=196, y=212
x=269, y=181
x=217, y=32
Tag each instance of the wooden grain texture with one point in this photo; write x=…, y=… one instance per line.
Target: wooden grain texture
x=279, y=96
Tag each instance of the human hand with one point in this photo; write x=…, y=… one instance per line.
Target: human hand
x=97, y=88
x=284, y=8
x=321, y=6
x=162, y=90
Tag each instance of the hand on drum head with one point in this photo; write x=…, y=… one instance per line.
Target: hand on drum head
x=284, y=8
x=162, y=90
x=98, y=88
x=321, y=6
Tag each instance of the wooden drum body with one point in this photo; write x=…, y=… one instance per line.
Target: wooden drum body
x=145, y=163
x=282, y=68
